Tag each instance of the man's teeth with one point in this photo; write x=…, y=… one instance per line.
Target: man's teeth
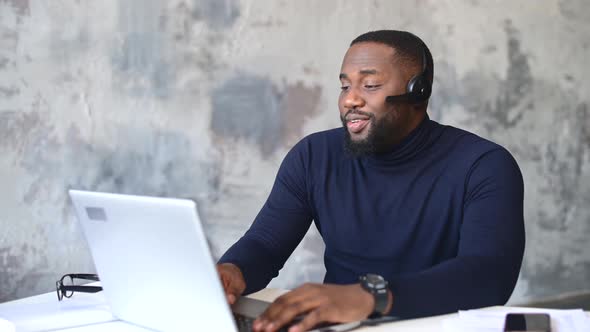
x=355, y=121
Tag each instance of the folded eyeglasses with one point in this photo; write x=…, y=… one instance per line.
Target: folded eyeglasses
x=69, y=284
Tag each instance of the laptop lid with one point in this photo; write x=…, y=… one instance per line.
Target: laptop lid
x=153, y=261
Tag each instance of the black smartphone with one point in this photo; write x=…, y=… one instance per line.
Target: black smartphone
x=537, y=322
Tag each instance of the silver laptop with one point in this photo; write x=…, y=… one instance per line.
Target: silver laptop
x=154, y=262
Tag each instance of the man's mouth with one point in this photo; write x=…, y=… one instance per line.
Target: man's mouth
x=356, y=126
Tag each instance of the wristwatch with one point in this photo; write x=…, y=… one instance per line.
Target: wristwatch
x=377, y=286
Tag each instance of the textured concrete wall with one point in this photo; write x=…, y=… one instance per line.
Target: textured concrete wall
x=203, y=98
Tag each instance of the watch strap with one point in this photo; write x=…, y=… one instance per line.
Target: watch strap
x=379, y=291
x=381, y=301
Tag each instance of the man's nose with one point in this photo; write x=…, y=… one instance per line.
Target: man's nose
x=353, y=99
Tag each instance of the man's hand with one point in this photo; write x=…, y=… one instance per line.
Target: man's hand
x=322, y=303
x=232, y=280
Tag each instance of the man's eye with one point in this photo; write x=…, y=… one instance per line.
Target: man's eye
x=344, y=88
x=372, y=86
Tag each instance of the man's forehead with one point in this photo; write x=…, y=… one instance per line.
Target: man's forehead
x=368, y=56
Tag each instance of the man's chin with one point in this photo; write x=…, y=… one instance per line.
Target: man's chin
x=359, y=136
x=358, y=146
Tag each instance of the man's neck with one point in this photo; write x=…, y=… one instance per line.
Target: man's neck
x=413, y=123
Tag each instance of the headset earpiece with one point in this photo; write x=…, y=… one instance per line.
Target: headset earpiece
x=418, y=88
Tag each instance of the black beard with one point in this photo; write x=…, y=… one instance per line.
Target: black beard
x=378, y=139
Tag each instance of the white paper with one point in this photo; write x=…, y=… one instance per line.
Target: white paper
x=117, y=326
x=55, y=315
x=575, y=320
x=6, y=326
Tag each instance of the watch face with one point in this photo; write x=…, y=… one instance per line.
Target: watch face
x=374, y=281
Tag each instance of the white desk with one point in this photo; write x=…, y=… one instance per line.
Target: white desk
x=56, y=316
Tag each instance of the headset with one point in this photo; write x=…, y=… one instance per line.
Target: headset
x=419, y=88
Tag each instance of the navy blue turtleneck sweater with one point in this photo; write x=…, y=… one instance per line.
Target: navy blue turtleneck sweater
x=440, y=217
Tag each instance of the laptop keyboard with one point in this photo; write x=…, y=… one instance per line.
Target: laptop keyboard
x=245, y=323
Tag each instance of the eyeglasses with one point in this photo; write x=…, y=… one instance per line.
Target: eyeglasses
x=66, y=286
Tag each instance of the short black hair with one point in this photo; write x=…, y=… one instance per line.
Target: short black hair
x=408, y=47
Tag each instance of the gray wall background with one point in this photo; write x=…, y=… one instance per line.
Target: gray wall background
x=203, y=98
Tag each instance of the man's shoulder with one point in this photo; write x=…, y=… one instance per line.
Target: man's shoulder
x=315, y=151
x=322, y=140
x=316, y=147
x=468, y=147
x=466, y=141
x=326, y=136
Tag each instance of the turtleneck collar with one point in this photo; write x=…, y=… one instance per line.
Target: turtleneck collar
x=416, y=141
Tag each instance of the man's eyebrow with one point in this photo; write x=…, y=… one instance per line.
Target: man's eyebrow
x=368, y=72
x=362, y=72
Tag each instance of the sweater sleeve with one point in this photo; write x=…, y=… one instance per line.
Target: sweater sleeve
x=279, y=226
x=490, y=251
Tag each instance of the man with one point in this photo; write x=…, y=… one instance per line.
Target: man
x=418, y=218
